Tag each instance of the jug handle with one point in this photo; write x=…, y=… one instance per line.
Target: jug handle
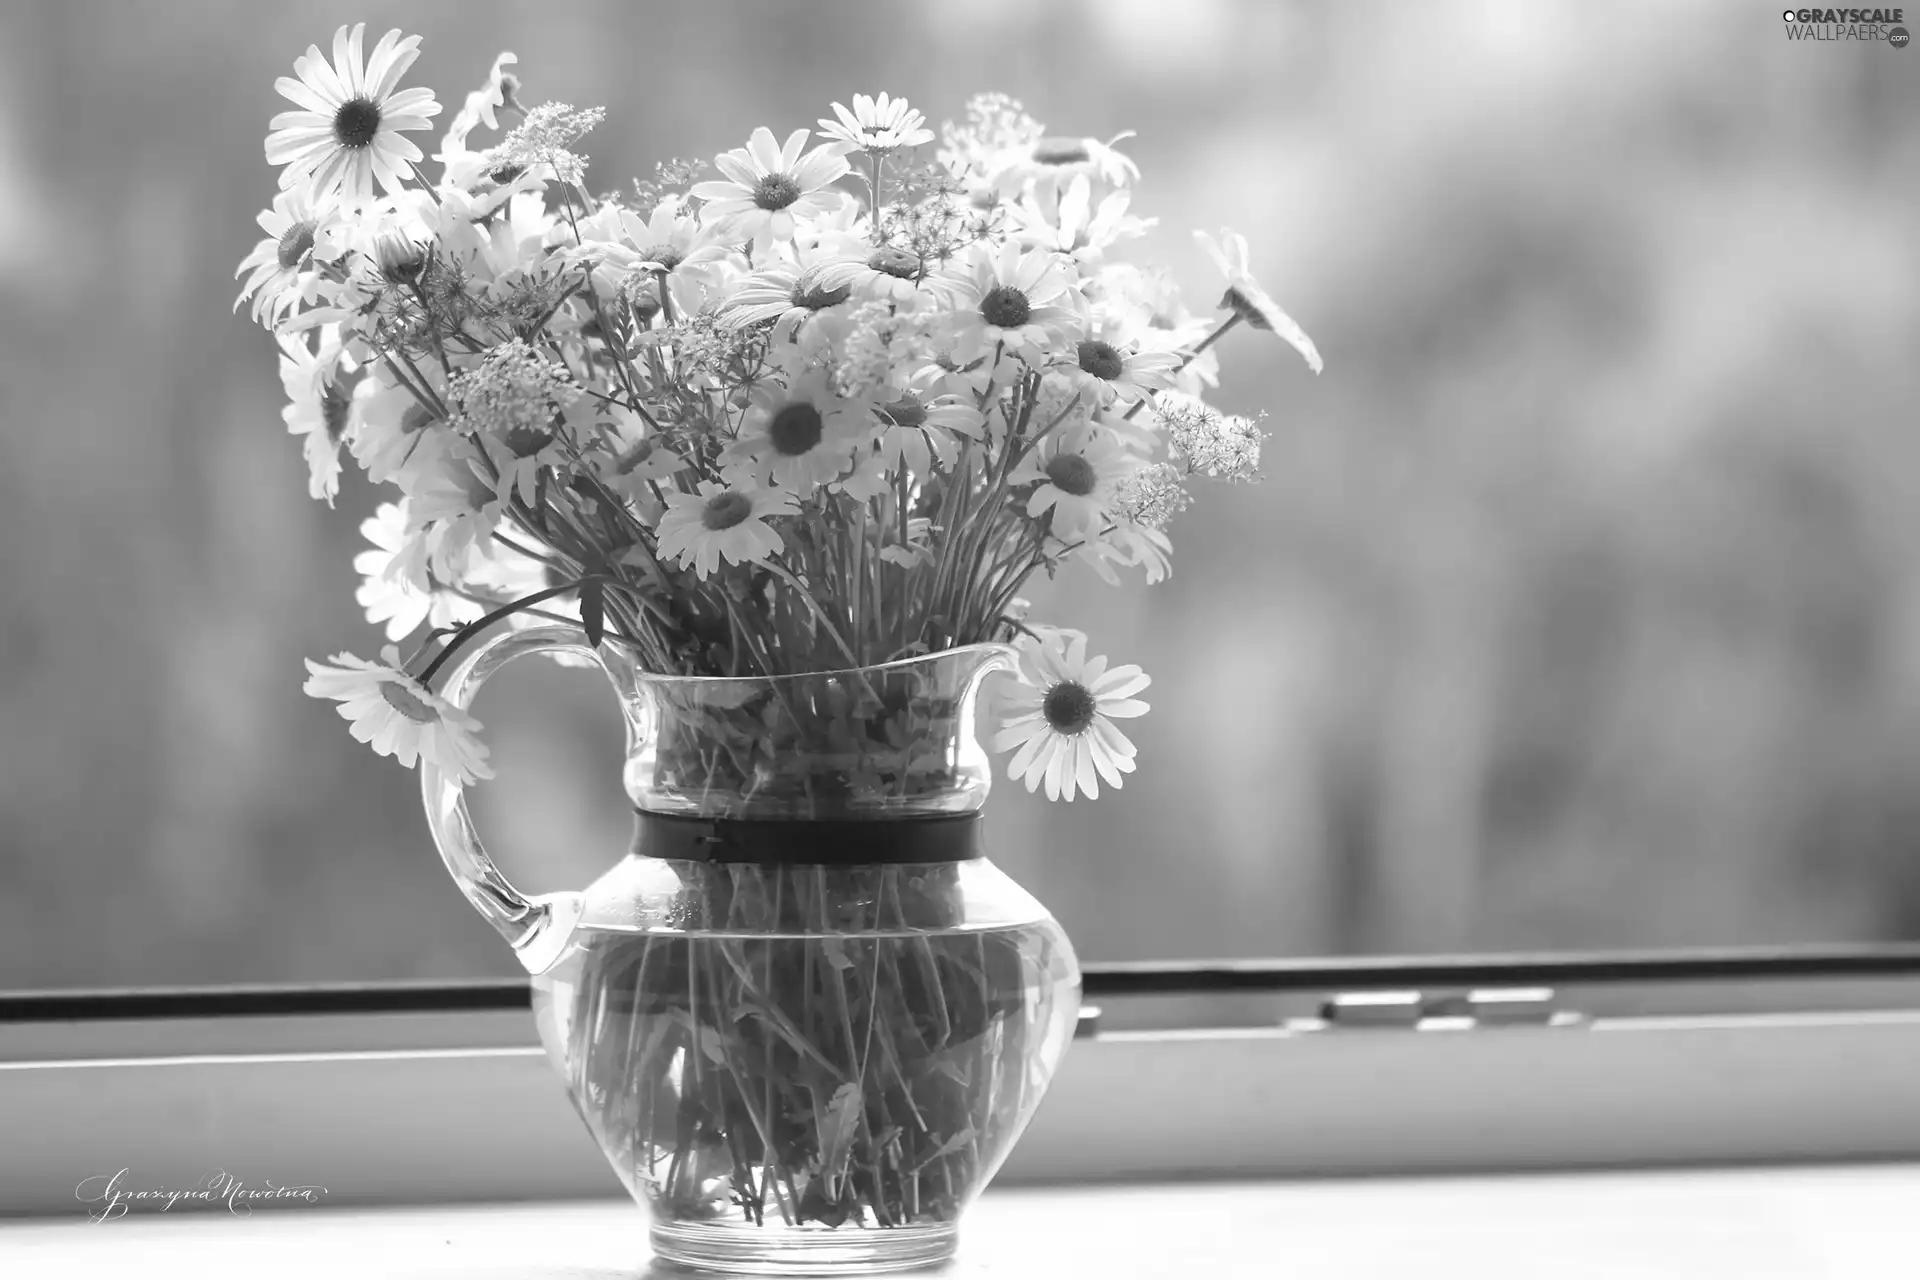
x=538, y=927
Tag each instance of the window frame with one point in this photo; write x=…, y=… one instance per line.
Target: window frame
x=398, y=1093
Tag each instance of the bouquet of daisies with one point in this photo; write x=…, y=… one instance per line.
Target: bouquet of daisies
x=817, y=404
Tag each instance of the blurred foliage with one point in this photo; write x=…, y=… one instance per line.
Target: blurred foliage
x=1579, y=608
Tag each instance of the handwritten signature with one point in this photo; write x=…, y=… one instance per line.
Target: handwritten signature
x=116, y=1198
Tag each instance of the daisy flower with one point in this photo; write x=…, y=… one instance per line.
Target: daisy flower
x=721, y=522
x=1061, y=719
x=891, y=274
x=462, y=167
x=1247, y=299
x=667, y=240
x=1130, y=546
x=1023, y=299
x=767, y=186
x=789, y=295
x=395, y=587
x=1058, y=160
x=1077, y=475
x=635, y=464
x=877, y=125
x=922, y=421
x=398, y=716
x=519, y=455
x=279, y=271
x=839, y=230
x=1067, y=221
x=392, y=431
x=517, y=238
x=1109, y=371
x=347, y=134
x=798, y=436
x=317, y=405
x=458, y=506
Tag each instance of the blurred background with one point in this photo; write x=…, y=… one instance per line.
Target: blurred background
x=1580, y=607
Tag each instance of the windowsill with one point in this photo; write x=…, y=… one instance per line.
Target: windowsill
x=1803, y=1222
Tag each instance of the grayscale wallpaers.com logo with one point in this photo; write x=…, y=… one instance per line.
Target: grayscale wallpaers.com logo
x=1848, y=24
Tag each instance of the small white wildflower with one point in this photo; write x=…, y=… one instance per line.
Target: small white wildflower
x=515, y=391
x=1151, y=496
x=544, y=138
x=1211, y=443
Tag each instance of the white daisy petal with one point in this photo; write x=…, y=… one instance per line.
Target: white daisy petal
x=312, y=67
x=416, y=101
x=346, y=57
x=1110, y=737
x=304, y=95
x=764, y=150
x=1121, y=682
x=1083, y=767
x=1029, y=752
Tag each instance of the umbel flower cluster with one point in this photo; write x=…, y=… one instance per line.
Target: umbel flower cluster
x=827, y=401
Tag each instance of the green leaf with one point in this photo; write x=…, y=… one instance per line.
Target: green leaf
x=837, y=1126
x=948, y=1147
x=593, y=611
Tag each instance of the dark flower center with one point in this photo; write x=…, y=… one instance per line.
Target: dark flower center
x=665, y=255
x=1101, y=360
x=333, y=410
x=524, y=442
x=776, y=191
x=1071, y=473
x=907, y=411
x=417, y=418
x=1060, y=151
x=897, y=263
x=1237, y=301
x=815, y=298
x=407, y=703
x=796, y=428
x=725, y=510
x=355, y=123
x=401, y=260
x=295, y=244
x=1005, y=307
x=1069, y=707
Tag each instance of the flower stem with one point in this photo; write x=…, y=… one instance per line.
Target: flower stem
x=473, y=629
x=1232, y=320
